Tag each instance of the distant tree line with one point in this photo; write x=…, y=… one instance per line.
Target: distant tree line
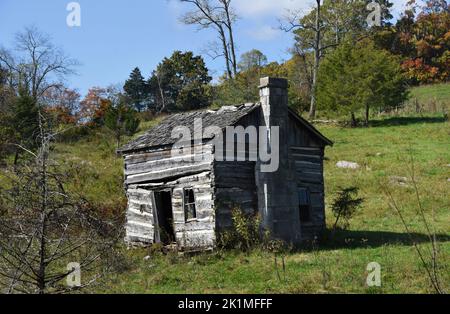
x=421, y=38
x=414, y=50
x=339, y=65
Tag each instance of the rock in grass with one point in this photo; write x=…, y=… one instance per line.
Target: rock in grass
x=347, y=165
x=401, y=181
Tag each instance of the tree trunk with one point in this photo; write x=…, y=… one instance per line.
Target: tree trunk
x=231, y=38
x=118, y=139
x=226, y=54
x=336, y=223
x=353, y=121
x=161, y=92
x=366, y=122
x=16, y=160
x=43, y=220
x=317, y=52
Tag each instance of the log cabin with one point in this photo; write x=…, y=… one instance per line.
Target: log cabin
x=186, y=198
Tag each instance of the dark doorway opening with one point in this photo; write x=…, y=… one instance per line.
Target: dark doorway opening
x=164, y=232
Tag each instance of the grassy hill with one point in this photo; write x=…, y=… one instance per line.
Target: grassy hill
x=376, y=233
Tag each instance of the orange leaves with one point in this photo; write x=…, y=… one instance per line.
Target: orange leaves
x=416, y=69
x=93, y=107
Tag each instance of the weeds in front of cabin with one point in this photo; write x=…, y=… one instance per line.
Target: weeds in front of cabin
x=244, y=235
x=430, y=259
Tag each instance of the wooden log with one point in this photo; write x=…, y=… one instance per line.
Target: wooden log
x=162, y=164
x=308, y=166
x=134, y=158
x=169, y=173
x=196, y=239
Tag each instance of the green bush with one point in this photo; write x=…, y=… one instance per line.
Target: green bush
x=245, y=233
x=345, y=205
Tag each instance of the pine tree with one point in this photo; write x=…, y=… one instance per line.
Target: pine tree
x=136, y=89
x=121, y=119
x=359, y=78
x=24, y=123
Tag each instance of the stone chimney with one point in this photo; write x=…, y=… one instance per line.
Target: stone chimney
x=277, y=191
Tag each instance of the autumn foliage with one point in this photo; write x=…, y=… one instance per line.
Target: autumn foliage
x=94, y=107
x=422, y=37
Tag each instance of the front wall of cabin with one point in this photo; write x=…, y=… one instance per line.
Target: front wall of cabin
x=150, y=172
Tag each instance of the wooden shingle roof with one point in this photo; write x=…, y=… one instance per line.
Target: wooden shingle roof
x=161, y=134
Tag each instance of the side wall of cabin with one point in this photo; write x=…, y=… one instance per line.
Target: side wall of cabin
x=152, y=171
x=308, y=154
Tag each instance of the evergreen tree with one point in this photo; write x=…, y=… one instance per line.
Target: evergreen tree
x=25, y=119
x=360, y=77
x=253, y=59
x=121, y=119
x=180, y=83
x=136, y=89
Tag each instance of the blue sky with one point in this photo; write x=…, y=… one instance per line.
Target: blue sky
x=117, y=35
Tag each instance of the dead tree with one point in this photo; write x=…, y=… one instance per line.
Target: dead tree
x=430, y=255
x=218, y=15
x=35, y=67
x=44, y=227
x=38, y=65
x=309, y=33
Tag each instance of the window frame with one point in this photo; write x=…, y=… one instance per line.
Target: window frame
x=307, y=206
x=186, y=219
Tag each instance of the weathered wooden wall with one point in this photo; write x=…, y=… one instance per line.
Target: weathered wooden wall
x=200, y=232
x=157, y=170
x=234, y=181
x=308, y=153
x=160, y=165
x=234, y=185
x=140, y=220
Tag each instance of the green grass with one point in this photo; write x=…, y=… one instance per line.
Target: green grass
x=429, y=98
x=437, y=92
x=376, y=233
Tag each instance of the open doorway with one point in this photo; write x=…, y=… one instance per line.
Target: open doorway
x=164, y=231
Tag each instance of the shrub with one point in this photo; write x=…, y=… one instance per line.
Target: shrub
x=245, y=233
x=345, y=205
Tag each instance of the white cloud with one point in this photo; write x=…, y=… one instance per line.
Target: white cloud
x=263, y=8
x=277, y=8
x=264, y=33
